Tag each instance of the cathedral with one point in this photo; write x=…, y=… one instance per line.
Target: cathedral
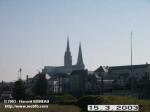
x=68, y=67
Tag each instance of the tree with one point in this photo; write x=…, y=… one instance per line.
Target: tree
x=19, y=90
x=40, y=86
x=144, y=87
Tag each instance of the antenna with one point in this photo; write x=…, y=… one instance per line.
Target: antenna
x=131, y=50
x=20, y=70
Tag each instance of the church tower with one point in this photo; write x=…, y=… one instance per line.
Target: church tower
x=80, y=64
x=68, y=57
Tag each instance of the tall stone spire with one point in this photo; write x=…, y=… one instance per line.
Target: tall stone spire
x=68, y=57
x=80, y=64
x=68, y=48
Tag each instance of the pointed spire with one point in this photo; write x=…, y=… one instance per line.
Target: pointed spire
x=80, y=59
x=80, y=50
x=67, y=57
x=68, y=48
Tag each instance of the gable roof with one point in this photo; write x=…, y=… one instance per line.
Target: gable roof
x=102, y=69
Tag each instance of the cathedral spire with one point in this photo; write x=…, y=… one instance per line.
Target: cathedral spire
x=80, y=63
x=68, y=48
x=68, y=57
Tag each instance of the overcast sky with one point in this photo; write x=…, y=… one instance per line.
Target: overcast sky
x=33, y=33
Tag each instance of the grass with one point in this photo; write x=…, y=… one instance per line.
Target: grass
x=144, y=105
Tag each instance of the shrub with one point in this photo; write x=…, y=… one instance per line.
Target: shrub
x=90, y=100
x=65, y=99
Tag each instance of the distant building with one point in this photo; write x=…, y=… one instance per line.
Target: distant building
x=75, y=79
x=59, y=83
x=6, y=90
x=6, y=95
x=128, y=71
x=68, y=67
x=78, y=80
x=122, y=74
x=64, y=78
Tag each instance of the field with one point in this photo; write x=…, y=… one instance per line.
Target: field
x=144, y=105
x=83, y=102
